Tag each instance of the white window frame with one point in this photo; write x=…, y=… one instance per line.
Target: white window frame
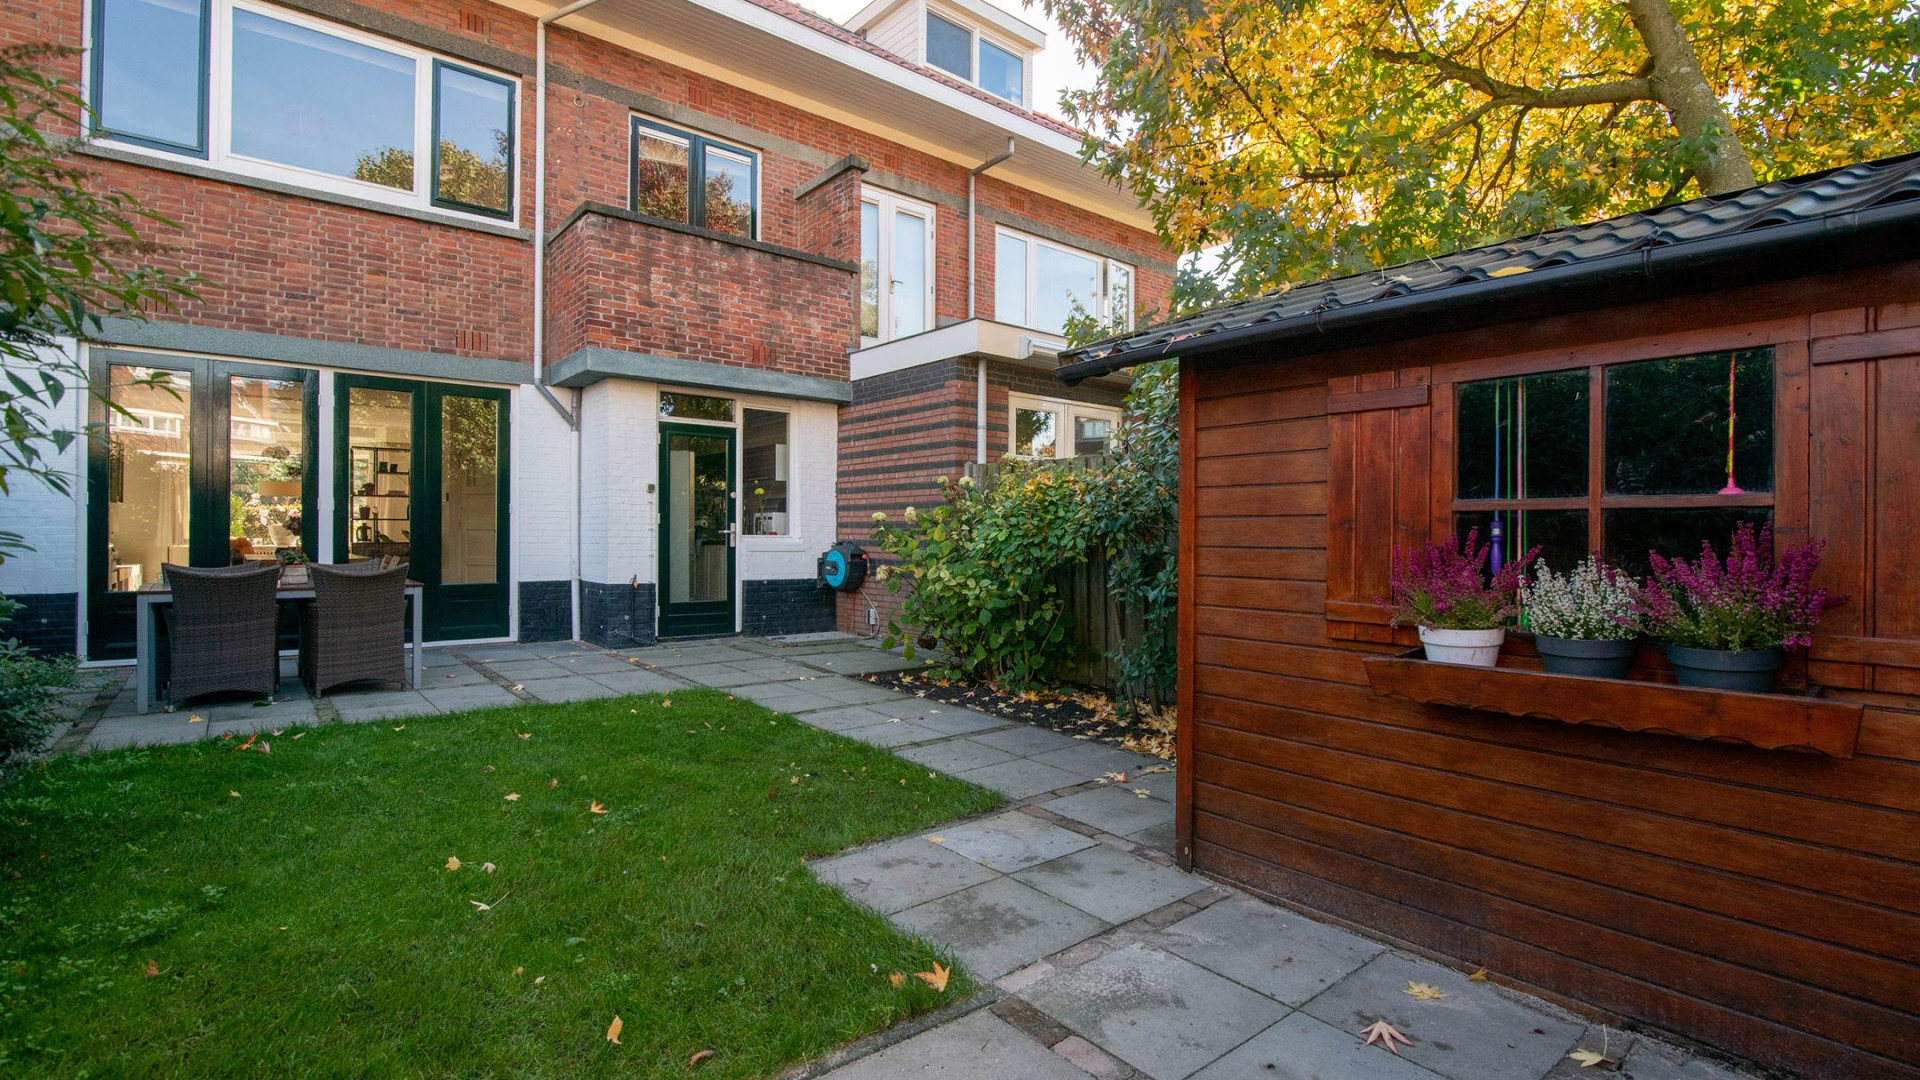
x=793, y=465
x=219, y=90
x=886, y=204
x=1102, y=304
x=1066, y=411
x=975, y=37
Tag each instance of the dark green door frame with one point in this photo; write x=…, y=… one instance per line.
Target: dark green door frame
x=697, y=618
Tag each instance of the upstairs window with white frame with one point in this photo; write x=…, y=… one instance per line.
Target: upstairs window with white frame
x=1049, y=428
x=969, y=55
x=1040, y=284
x=896, y=267
x=276, y=95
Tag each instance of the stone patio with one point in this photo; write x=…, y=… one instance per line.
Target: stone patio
x=1105, y=960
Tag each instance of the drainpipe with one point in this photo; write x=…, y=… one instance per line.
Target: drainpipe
x=980, y=362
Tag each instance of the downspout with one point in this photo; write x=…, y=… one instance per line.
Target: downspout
x=979, y=363
x=540, y=290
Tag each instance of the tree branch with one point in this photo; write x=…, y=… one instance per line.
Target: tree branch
x=1618, y=92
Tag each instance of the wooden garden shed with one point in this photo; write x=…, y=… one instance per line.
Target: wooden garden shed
x=1739, y=869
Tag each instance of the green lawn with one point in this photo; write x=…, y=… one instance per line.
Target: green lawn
x=303, y=920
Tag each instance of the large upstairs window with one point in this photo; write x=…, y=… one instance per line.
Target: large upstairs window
x=971, y=56
x=686, y=177
x=1040, y=284
x=276, y=95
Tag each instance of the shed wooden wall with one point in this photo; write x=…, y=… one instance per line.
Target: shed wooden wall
x=1764, y=902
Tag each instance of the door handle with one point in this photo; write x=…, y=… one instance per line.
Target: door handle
x=733, y=535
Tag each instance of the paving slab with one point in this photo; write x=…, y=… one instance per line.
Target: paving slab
x=523, y=670
x=153, y=730
x=1110, y=884
x=1026, y=740
x=1302, y=1048
x=453, y=699
x=949, y=720
x=592, y=663
x=690, y=655
x=1476, y=1032
x=568, y=688
x=775, y=669
x=900, y=874
x=891, y=733
x=999, y=925
x=633, y=681
x=435, y=678
x=956, y=755
x=846, y=718
x=381, y=705
x=1020, y=779
x=1013, y=842
x=1113, y=809
x=777, y=697
x=491, y=654
x=1091, y=759
x=858, y=693
x=719, y=676
x=866, y=662
x=978, y=1046
x=1165, y=1016
x=1283, y=955
x=1160, y=837
x=1653, y=1061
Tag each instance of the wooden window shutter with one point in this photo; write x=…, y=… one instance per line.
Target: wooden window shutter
x=1380, y=468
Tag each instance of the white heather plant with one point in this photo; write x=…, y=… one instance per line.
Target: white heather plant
x=1591, y=602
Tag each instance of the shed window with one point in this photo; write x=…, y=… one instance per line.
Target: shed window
x=1652, y=455
x=685, y=177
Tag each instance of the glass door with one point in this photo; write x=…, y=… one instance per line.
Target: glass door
x=422, y=473
x=697, y=530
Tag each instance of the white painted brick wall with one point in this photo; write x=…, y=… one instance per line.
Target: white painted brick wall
x=542, y=469
x=49, y=521
x=619, y=459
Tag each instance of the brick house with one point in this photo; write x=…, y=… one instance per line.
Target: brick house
x=611, y=355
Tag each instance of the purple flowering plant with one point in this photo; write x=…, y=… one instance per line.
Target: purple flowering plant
x=1749, y=600
x=1447, y=587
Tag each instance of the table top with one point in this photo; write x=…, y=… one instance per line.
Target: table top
x=289, y=583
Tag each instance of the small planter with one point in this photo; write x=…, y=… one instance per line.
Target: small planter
x=1576, y=656
x=1475, y=648
x=1751, y=670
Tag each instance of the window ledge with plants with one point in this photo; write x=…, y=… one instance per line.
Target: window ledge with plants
x=1725, y=625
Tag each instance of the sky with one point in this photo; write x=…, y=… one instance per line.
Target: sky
x=1054, y=70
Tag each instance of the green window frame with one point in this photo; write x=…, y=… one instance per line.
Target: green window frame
x=97, y=52
x=697, y=147
x=505, y=211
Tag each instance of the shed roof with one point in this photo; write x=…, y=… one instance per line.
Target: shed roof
x=1853, y=215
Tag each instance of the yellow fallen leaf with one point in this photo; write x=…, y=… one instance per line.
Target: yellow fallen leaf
x=300, y=735
x=1509, y=271
x=520, y=971
x=597, y=808
x=613, y=1030
x=1423, y=991
x=666, y=703
x=1386, y=1033
x=235, y=794
x=538, y=979
x=513, y=796
x=897, y=979
x=1590, y=1058
x=937, y=978
x=453, y=863
x=553, y=783
x=196, y=718
x=1478, y=976
x=1144, y=793
x=730, y=697
x=793, y=780
x=402, y=727
x=153, y=969
x=936, y=839
x=699, y=1057
x=516, y=686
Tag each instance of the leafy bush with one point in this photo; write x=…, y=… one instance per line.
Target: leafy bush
x=30, y=684
x=1591, y=602
x=1748, y=601
x=1446, y=587
x=1134, y=510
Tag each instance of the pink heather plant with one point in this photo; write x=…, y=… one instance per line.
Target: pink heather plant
x=1446, y=588
x=1749, y=601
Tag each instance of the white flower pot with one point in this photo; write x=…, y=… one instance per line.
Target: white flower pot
x=1477, y=648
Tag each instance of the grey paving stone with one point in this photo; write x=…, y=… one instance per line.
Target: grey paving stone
x=455, y=699
x=901, y=873
x=1091, y=759
x=866, y=662
x=569, y=688
x=381, y=705
x=288, y=710
x=1109, y=883
x=775, y=669
x=999, y=925
x=978, y=1046
x=1014, y=841
x=890, y=734
x=525, y=670
x=1302, y=1048
x=1020, y=778
x=1160, y=837
x=950, y=720
x=1649, y=1060
x=631, y=680
x=1163, y=1015
x=435, y=678
x=719, y=676
x=1474, y=1033
x=956, y=755
x=846, y=718
x=1027, y=740
x=1284, y=955
x=858, y=693
x=1113, y=809
x=592, y=663
x=154, y=730
x=491, y=654
x=678, y=656
x=796, y=702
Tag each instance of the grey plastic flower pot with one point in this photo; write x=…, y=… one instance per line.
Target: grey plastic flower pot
x=1749, y=670
x=1573, y=656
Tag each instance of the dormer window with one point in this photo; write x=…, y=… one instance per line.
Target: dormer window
x=1002, y=72
x=949, y=47
x=965, y=53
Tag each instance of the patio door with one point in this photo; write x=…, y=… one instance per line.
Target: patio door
x=202, y=463
x=697, y=530
x=422, y=475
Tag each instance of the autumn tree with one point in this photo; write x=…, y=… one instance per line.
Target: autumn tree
x=1311, y=137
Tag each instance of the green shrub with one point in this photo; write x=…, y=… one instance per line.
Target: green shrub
x=30, y=685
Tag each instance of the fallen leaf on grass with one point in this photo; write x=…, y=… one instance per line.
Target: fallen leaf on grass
x=488, y=867
x=553, y=783
x=153, y=969
x=235, y=794
x=265, y=748
x=1590, y=1058
x=730, y=697
x=276, y=733
x=538, y=979
x=937, y=978
x=597, y=808
x=520, y=971
x=489, y=907
x=513, y=796
x=1386, y=1033
x=699, y=1057
x=613, y=1030
x=666, y=703
x=897, y=979
x=453, y=863
x=402, y=727
x=300, y=735
x=1478, y=976
x=248, y=745
x=1423, y=991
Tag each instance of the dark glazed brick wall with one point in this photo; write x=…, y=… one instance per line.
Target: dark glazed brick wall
x=616, y=616
x=546, y=611
x=788, y=606
x=46, y=622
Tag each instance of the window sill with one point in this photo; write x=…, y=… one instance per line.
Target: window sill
x=1797, y=722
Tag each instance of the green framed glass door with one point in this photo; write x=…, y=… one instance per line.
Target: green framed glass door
x=196, y=462
x=421, y=474
x=697, y=530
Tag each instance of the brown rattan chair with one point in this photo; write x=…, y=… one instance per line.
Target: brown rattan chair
x=222, y=630
x=355, y=629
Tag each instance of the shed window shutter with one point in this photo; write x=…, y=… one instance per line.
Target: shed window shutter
x=1380, y=470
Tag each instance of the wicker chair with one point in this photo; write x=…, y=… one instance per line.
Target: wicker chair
x=222, y=630
x=355, y=628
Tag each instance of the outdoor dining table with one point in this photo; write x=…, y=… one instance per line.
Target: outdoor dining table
x=296, y=586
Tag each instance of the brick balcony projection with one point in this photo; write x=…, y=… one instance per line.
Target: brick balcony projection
x=623, y=281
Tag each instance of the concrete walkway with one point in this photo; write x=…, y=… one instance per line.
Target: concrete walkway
x=1105, y=960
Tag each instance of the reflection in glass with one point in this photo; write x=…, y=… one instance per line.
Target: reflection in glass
x=1034, y=432
x=909, y=274
x=660, y=181
x=949, y=47
x=380, y=473
x=315, y=101
x=474, y=119
x=1001, y=72
x=1010, y=280
x=1560, y=534
x=1524, y=437
x=149, y=474
x=1091, y=434
x=266, y=467
x=695, y=407
x=697, y=520
x=1691, y=425
x=469, y=490
x=1066, y=284
x=729, y=196
x=869, y=270
x=764, y=453
x=1675, y=533
x=1119, y=296
x=150, y=78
